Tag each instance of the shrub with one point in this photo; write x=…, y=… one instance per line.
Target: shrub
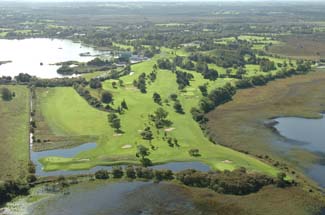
x=117, y=172
x=101, y=174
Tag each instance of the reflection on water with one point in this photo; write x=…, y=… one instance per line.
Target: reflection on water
x=27, y=56
x=126, y=198
x=305, y=134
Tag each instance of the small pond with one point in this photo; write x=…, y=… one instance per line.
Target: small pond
x=71, y=152
x=27, y=55
x=305, y=134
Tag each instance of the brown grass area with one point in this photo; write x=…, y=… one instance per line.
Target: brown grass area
x=304, y=47
x=268, y=201
x=14, y=133
x=239, y=124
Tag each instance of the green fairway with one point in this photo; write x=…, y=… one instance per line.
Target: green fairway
x=69, y=114
x=14, y=133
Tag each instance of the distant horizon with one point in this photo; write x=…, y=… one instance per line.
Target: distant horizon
x=160, y=1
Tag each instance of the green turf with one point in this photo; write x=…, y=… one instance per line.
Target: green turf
x=67, y=113
x=14, y=133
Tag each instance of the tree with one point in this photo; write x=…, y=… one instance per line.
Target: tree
x=160, y=118
x=130, y=172
x=95, y=84
x=114, y=121
x=124, y=105
x=141, y=83
x=204, y=90
x=107, y=97
x=156, y=98
x=194, y=152
x=178, y=107
x=6, y=94
x=173, y=96
x=281, y=179
x=101, y=174
x=142, y=153
x=147, y=134
x=117, y=172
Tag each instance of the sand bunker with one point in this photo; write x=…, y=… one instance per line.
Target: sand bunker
x=226, y=161
x=127, y=146
x=169, y=129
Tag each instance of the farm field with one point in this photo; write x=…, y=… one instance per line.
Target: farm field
x=14, y=132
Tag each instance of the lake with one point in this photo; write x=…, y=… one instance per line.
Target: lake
x=122, y=198
x=306, y=134
x=27, y=55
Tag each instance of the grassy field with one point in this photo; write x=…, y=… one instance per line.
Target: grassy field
x=14, y=132
x=66, y=113
x=268, y=201
x=239, y=124
x=77, y=117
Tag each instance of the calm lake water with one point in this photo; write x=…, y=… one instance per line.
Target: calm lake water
x=26, y=56
x=71, y=152
x=124, y=198
x=306, y=134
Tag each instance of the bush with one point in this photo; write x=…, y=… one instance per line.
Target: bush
x=6, y=94
x=101, y=174
x=107, y=97
x=117, y=172
x=130, y=172
x=95, y=84
x=164, y=174
x=31, y=178
x=194, y=152
x=237, y=182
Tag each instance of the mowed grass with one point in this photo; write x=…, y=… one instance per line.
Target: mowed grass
x=14, y=133
x=67, y=113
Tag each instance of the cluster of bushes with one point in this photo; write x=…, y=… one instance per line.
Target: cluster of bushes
x=217, y=97
x=159, y=118
x=141, y=83
x=138, y=172
x=183, y=79
x=6, y=94
x=260, y=80
x=65, y=70
x=266, y=65
x=11, y=189
x=5, y=80
x=23, y=78
x=237, y=182
x=57, y=82
x=114, y=121
x=95, y=83
x=90, y=99
x=164, y=64
x=184, y=63
x=99, y=62
x=211, y=74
